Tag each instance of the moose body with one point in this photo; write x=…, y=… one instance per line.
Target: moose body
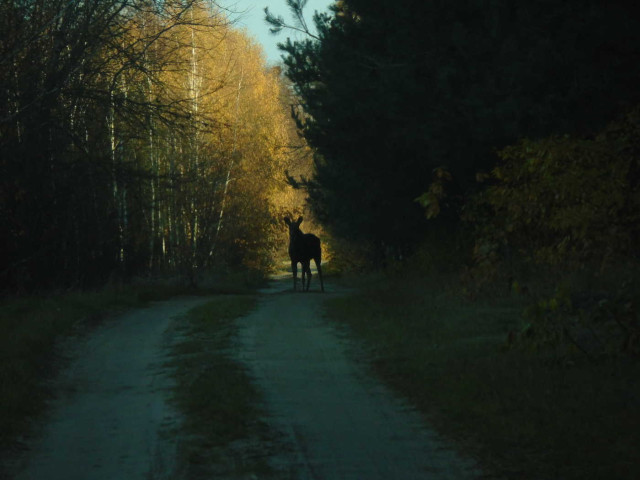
x=302, y=248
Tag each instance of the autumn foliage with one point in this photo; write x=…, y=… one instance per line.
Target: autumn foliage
x=136, y=138
x=564, y=201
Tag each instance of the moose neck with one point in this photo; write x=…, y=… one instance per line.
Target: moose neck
x=296, y=236
x=296, y=244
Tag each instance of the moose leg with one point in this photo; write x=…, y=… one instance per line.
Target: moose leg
x=306, y=269
x=294, y=269
x=319, y=268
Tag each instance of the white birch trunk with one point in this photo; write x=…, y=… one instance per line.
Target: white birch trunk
x=232, y=160
x=194, y=94
x=114, y=166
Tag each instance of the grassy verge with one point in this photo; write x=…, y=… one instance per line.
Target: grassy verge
x=523, y=415
x=222, y=429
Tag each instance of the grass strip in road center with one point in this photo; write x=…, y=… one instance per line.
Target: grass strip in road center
x=222, y=434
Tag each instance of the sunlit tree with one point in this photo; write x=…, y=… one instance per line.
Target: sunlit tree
x=136, y=137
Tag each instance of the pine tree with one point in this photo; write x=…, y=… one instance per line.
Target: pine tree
x=392, y=92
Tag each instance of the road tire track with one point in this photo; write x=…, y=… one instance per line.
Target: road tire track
x=339, y=421
x=111, y=416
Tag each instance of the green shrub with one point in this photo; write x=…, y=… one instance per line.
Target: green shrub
x=563, y=201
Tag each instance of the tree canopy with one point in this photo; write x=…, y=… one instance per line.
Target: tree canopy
x=392, y=92
x=136, y=137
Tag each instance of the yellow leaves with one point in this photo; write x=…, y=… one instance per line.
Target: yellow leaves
x=430, y=202
x=225, y=140
x=558, y=198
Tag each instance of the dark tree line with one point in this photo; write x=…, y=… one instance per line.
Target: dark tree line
x=58, y=211
x=392, y=91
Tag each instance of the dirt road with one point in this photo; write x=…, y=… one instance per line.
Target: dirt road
x=108, y=421
x=337, y=421
x=340, y=422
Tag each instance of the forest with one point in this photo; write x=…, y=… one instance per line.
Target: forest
x=492, y=141
x=137, y=138
x=485, y=154
x=145, y=138
x=472, y=168
x=474, y=110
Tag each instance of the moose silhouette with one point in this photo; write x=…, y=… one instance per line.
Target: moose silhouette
x=302, y=248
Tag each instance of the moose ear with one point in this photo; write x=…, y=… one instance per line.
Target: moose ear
x=299, y=221
x=287, y=221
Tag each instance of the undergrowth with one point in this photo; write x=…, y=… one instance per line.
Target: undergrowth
x=521, y=411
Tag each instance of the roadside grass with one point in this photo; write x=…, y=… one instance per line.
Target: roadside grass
x=222, y=432
x=523, y=415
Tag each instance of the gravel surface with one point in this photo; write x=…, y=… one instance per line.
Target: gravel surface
x=111, y=419
x=107, y=423
x=338, y=421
